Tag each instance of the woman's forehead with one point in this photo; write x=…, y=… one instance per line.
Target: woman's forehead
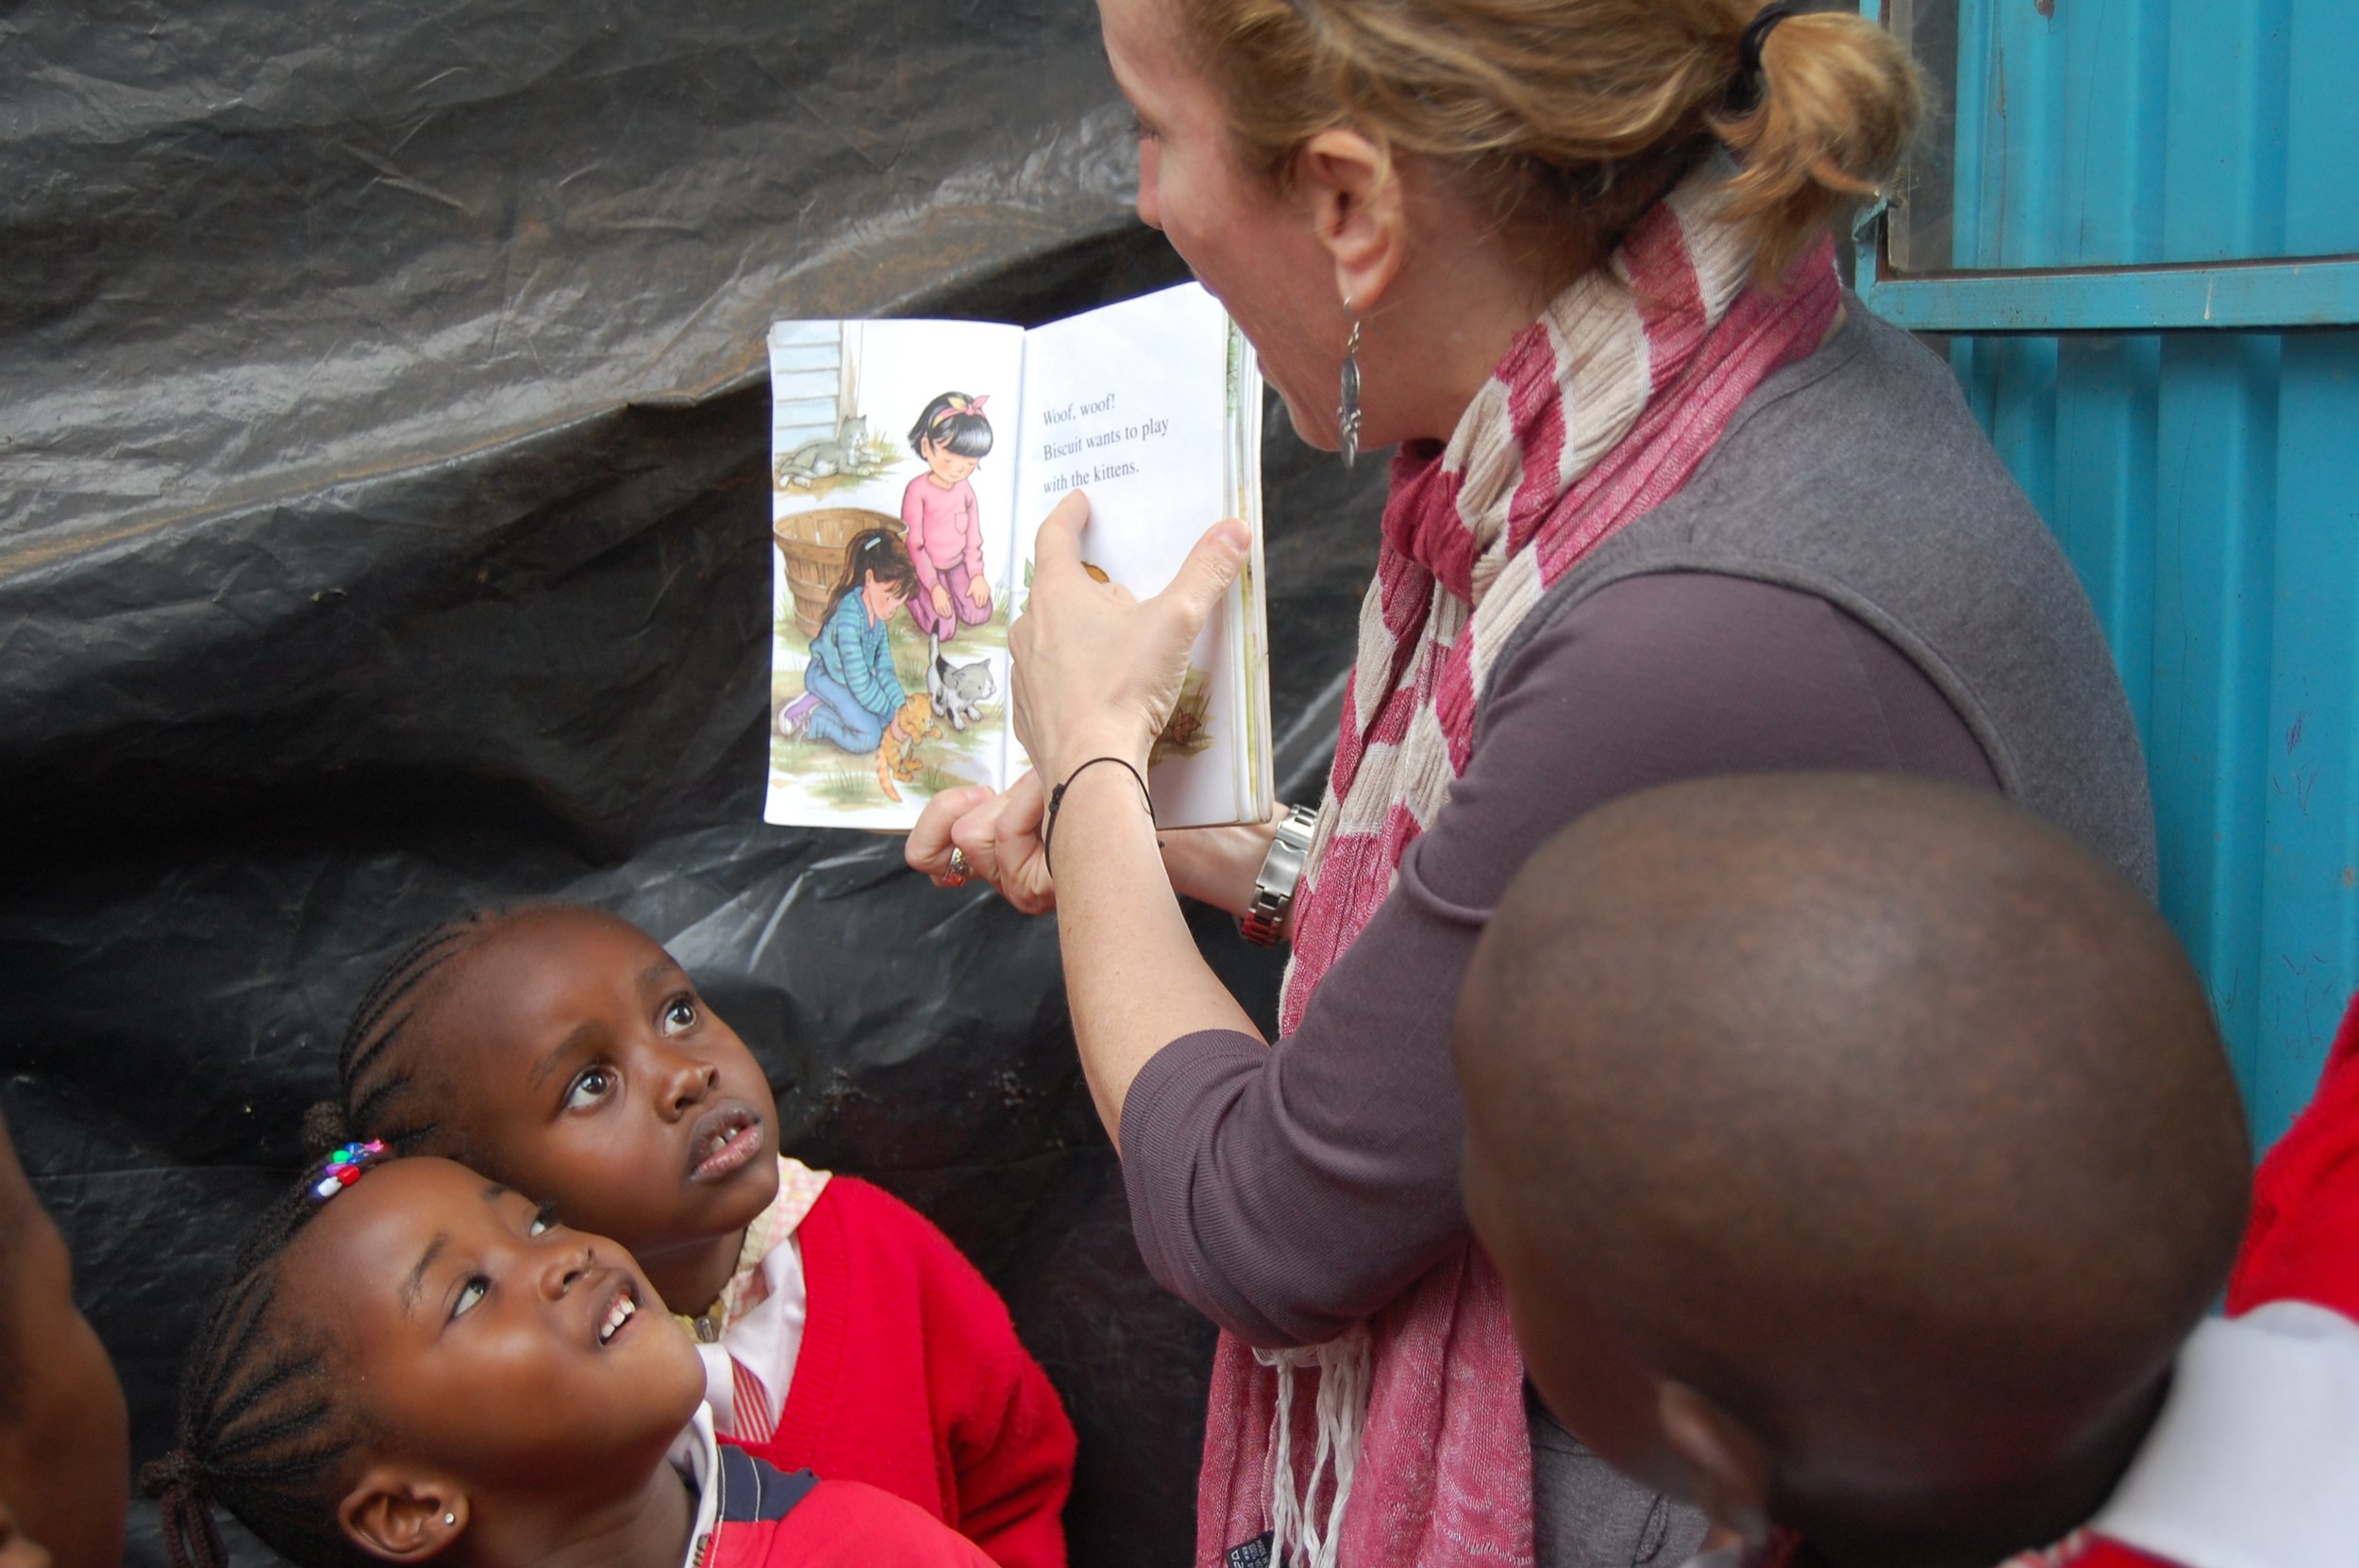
x=1142, y=39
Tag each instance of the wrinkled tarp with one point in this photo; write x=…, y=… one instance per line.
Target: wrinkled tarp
x=383, y=529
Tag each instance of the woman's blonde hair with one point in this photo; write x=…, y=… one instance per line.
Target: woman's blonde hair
x=1573, y=116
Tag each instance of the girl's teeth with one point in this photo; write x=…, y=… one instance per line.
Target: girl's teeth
x=622, y=1313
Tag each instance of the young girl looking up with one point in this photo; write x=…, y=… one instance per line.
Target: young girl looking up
x=410, y=1363
x=851, y=669
x=562, y=1051
x=945, y=524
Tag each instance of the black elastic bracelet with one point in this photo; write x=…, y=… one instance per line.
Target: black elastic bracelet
x=1056, y=801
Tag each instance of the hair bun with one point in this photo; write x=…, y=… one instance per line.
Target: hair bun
x=324, y=1128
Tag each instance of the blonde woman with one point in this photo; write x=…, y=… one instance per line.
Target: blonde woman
x=1666, y=503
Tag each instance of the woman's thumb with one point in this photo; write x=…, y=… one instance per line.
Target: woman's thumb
x=1211, y=567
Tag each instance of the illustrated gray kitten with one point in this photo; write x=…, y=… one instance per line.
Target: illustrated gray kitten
x=959, y=690
x=822, y=458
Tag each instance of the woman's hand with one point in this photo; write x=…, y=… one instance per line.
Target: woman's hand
x=1000, y=835
x=1096, y=672
x=942, y=600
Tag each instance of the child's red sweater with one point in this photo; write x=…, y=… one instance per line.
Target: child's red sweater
x=910, y=1379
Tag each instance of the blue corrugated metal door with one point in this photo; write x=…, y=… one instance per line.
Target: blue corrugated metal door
x=2140, y=231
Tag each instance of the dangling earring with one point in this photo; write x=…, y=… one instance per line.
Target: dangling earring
x=1348, y=405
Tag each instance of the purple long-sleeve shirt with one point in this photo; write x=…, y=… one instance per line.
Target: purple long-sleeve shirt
x=1289, y=1193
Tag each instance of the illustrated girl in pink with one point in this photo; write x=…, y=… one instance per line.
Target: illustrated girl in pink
x=946, y=535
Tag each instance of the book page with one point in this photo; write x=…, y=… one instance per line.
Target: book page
x=1131, y=404
x=892, y=442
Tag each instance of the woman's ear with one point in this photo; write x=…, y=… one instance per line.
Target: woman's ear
x=402, y=1517
x=1354, y=198
x=1729, y=1467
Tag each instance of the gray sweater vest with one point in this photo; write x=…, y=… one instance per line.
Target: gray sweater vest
x=1859, y=476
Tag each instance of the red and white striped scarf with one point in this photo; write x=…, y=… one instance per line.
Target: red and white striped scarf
x=1599, y=411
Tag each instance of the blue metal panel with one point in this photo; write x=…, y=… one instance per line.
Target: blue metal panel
x=2125, y=167
x=2254, y=295
x=2206, y=486
x=2137, y=134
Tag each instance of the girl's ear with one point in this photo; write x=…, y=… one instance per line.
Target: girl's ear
x=402, y=1517
x=1357, y=210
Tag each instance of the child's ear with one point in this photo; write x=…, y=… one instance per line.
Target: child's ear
x=1729, y=1467
x=1357, y=210
x=401, y=1516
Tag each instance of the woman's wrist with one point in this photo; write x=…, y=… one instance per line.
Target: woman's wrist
x=1218, y=865
x=1067, y=757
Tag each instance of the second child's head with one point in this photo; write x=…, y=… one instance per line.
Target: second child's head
x=409, y=1357
x=951, y=435
x=1857, y=1152
x=562, y=1051
x=876, y=566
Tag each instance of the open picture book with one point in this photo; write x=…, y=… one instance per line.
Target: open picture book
x=912, y=463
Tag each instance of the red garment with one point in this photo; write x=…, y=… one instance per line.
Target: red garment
x=768, y=1520
x=2303, y=1244
x=910, y=1379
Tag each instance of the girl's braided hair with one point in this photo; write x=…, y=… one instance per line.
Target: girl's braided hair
x=268, y=1428
x=383, y=1089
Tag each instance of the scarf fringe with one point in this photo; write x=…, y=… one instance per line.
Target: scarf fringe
x=1299, y=1537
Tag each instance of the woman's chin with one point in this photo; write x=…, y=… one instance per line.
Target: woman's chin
x=1314, y=428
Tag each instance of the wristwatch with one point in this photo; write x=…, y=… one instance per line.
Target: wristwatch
x=1282, y=870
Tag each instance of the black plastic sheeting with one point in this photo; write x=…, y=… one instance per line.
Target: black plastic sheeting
x=383, y=529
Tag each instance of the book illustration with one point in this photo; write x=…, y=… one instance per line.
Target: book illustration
x=819, y=436
x=912, y=464
x=846, y=457
x=868, y=552
x=1189, y=729
x=943, y=518
x=863, y=692
x=897, y=753
x=959, y=690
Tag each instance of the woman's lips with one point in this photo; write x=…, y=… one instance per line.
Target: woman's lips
x=724, y=1141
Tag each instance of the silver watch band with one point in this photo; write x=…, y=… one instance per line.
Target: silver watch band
x=1273, y=886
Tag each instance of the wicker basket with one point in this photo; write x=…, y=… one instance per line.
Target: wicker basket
x=811, y=544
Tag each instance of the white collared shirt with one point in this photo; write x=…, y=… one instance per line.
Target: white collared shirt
x=2254, y=1462
x=697, y=1455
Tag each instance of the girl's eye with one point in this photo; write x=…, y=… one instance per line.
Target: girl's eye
x=544, y=1221
x=471, y=1292
x=595, y=1084
x=680, y=1016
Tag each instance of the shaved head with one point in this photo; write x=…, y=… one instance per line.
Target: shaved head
x=1876, y=1111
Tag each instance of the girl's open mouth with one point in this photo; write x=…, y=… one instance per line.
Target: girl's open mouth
x=724, y=1140
x=618, y=1314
